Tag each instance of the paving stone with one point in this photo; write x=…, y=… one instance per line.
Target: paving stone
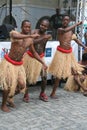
x=68, y=112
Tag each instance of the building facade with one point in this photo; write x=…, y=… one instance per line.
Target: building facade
x=33, y=10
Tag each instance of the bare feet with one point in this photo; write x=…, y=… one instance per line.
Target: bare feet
x=5, y=108
x=85, y=94
x=11, y=104
x=53, y=96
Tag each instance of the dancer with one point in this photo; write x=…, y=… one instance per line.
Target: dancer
x=12, y=72
x=64, y=59
x=32, y=67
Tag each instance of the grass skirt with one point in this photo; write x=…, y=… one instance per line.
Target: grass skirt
x=84, y=84
x=9, y=76
x=62, y=63
x=71, y=85
x=32, y=68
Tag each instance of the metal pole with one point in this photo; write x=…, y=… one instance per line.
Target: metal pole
x=77, y=14
x=58, y=2
x=82, y=16
x=10, y=11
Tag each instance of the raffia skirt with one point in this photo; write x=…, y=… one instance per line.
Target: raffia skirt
x=62, y=63
x=71, y=85
x=32, y=68
x=9, y=75
x=84, y=84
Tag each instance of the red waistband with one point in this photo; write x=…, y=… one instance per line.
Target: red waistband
x=30, y=54
x=12, y=61
x=63, y=50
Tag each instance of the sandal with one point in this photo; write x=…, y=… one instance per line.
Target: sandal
x=43, y=97
x=26, y=98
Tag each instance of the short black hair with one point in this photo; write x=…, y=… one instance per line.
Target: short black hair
x=84, y=57
x=44, y=20
x=58, y=8
x=66, y=15
x=24, y=22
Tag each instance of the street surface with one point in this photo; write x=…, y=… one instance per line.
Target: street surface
x=68, y=112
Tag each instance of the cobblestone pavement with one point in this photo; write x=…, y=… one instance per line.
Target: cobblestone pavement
x=68, y=112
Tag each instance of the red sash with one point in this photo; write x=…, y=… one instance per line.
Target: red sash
x=30, y=54
x=63, y=50
x=12, y=61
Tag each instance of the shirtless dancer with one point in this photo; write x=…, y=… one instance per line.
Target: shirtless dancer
x=12, y=72
x=32, y=67
x=64, y=59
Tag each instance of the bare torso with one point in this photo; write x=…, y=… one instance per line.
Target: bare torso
x=18, y=48
x=40, y=46
x=65, y=39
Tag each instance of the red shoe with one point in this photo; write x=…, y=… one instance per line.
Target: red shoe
x=26, y=98
x=43, y=97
